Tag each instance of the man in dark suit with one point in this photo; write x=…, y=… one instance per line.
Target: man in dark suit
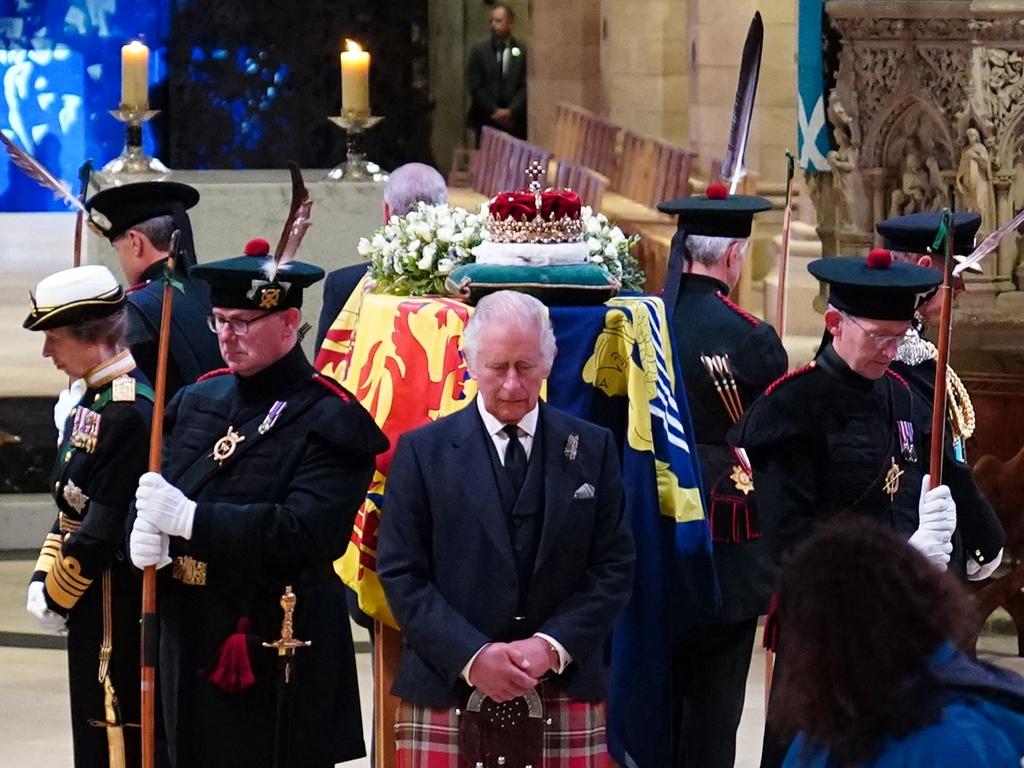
x=496, y=77
x=712, y=657
x=504, y=552
x=143, y=216
x=407, y=185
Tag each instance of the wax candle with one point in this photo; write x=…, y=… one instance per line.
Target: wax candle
x=355, y=80
x=135, y=76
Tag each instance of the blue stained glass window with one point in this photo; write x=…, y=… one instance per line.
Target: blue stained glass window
x=60, y=74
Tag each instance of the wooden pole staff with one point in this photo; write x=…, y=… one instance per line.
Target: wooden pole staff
x=787, y=222
x=942, y=358
x=84, y=174
x=156, y=437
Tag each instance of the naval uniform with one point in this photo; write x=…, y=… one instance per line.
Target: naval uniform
x=93, y=485
x=277, y=511
x=193, y=350
x=712, y=658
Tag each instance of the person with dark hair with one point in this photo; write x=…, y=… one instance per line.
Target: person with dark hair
x=979, y=536
x=875, y=675
x=143, y=217
x=712, y=657
x=496, y=78
x=83, y=585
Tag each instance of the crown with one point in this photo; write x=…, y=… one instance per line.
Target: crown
x=535, y=216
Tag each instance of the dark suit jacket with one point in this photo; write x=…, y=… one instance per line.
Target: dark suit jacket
x=445, y=556
x=488, y=90
x=337, y=288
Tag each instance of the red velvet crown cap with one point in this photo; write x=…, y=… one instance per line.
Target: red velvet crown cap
x=522, y=205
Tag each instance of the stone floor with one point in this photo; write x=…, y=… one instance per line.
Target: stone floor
x=33, y=684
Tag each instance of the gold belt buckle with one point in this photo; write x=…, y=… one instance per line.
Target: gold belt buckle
x=189, y=571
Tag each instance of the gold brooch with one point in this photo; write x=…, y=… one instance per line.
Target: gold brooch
x=269, y=298
x=892, y=479
x=225, y=447
x=741, y=479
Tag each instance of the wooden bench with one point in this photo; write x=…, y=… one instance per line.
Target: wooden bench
x=587, y=183
x=500, y=164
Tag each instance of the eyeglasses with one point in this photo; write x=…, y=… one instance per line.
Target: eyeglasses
x=881, y=339
x=238, y=327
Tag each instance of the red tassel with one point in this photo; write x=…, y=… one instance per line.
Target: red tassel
x=234, y=672
x=771, y=624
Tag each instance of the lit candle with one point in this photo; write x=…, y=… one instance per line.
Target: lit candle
x=355, y=80
x=135, y=76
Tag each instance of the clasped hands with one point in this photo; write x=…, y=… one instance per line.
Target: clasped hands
x=163, y=511
x=505, y=671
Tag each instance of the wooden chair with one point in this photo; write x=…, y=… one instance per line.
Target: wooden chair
x=571, y=124
x=587, y=184
x=598, y=150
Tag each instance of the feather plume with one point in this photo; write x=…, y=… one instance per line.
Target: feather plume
x=295, y=225
x=743, y=109
x=35, y=171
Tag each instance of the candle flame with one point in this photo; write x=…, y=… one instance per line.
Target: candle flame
x=136, y=45
x=352, y=46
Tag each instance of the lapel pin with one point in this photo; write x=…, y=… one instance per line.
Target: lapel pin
x=571, y=445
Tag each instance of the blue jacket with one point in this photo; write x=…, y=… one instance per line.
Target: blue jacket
x=982, y=723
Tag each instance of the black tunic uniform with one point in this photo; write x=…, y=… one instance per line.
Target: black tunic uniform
x=277, y=512
x=193, y=349
x=823, y=442
x=979, y=534
x=712, y=658
x=93, y=487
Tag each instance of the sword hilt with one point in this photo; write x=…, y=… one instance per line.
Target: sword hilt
x=287, y=644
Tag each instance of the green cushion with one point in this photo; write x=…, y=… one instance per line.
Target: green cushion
x=564, y=284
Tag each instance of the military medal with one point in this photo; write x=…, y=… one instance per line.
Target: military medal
x=741, y=479
x=275, y=410
x=225, y=447
x=892, y=479
x=906, y=430
x=123, y=389
x=85, y=429
x=74, y=497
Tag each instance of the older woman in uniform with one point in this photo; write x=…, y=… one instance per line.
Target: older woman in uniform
x=83, y=584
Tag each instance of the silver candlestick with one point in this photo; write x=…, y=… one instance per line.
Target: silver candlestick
x=133, y=161
x=356, y=167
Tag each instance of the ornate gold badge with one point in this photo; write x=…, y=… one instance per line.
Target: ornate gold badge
x=74, y=497
x=123, y=389
x=741, y=479
x=225, y=447
x=269, y=298
x=892, y=479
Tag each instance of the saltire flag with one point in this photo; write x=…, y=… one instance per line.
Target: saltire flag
x=615, y=367
x=813, y=142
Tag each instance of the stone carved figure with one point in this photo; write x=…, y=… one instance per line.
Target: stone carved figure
x=843, y=161
x=974, y=180
x=913, y=195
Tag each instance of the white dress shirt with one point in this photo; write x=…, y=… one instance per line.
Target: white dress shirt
x=527, y=429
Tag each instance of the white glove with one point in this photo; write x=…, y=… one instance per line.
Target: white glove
x=977, y=572
x=148, y=546
x=164, y=506
x=66, y=402
x=50, y=621
x=931, y=546
x=936, y=510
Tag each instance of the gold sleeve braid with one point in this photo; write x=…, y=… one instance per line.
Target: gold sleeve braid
x=49, y=552
x=65, y=583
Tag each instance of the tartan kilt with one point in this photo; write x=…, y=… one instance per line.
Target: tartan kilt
x=428, y=737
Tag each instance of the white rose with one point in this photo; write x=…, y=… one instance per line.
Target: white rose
x=413, y=247
x=615, y=235
x=445, y=265
x=593, y=226
x=446, y=233
x=586, y=212
x=379, y=241
x=363, y=248
x=425, y=263
x=611, y=251
x=594, y=245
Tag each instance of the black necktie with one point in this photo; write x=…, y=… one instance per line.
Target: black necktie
x=515, y=457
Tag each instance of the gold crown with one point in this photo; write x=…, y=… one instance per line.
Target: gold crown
x=510, y=219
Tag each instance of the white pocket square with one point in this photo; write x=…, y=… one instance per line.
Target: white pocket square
x=585, y=491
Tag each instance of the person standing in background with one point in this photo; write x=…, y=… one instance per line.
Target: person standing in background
x=496, y=78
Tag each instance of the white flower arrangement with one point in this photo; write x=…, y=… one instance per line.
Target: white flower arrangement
x=412, y=255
